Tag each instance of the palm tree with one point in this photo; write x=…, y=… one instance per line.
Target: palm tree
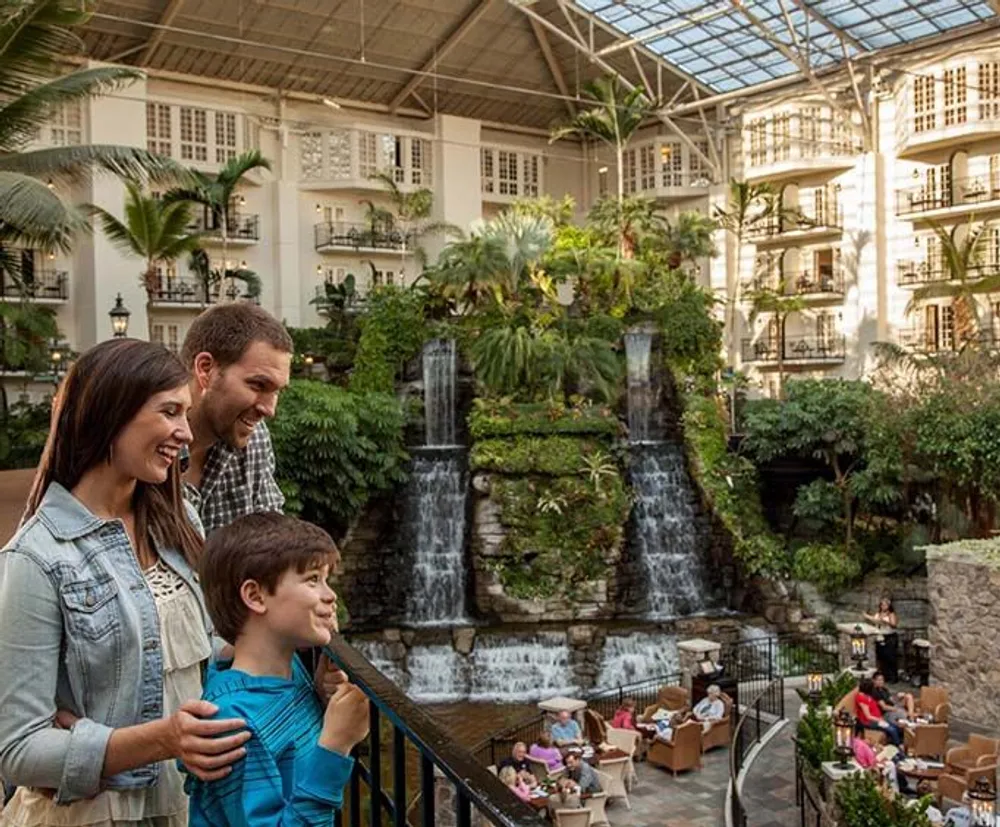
x=689, y=238
x=153, y=230
x=962, y=255
x=209, y=279
x=25, y=332
x=413, y=213
x=35, y=38
x=216, y=192
x=613, y=119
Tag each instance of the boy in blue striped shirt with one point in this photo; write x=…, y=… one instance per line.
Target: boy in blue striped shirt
x=265, y=583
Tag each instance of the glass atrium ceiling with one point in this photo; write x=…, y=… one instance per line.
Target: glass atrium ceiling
x=713, y=41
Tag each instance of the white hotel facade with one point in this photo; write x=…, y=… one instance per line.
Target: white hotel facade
x=870, y=173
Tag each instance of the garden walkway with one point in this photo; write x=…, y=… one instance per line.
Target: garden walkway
x=769, y=787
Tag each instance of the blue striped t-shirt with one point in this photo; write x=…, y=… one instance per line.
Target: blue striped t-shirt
x=286, y=778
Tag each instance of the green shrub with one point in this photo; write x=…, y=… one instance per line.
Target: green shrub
x=834, y=689
x=561, y=532
x=862, y=804
x=503, y=418
x=23, y=435
x=336, y=449
x=731, y=486
x=831, y=568
x=815, y=737
x=393, y=331
x=985, y=551
x=555, y=455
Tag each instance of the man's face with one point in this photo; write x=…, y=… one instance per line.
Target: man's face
x=572, y=760
x=519, y=752
x=564, y=716
x=879, y=681
x=237, y=397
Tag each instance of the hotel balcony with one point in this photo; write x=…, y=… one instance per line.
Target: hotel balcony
x=799, y=351
x=242, y=229
x=189, y=292
x=794, y=157
x=927, y=340
x=667, y=169
x=966, y=195
x=796, y=229
x=824, y=284
x=929, y=132
x=341, y=236
x=41, y=286
x=349, y=159
x=920, y=273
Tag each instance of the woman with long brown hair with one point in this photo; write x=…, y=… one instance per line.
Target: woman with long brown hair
x=103, y=629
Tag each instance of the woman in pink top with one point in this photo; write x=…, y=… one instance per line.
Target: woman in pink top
x=625, y=715
x=508, y=775
x=545, y=751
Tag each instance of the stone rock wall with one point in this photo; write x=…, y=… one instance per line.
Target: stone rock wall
x=909, y=598
x=964, y=589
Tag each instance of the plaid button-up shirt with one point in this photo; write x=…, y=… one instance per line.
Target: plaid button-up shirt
x=235, y=483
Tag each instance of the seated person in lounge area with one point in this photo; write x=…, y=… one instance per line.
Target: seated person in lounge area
x=545, y=751
x=509, y=777
x=710, y=708
x=519, y=761
x=625, y=715
x=870, y=714
x=583, y=774
x=566, y=796
x=566, y=732
x=895, y=708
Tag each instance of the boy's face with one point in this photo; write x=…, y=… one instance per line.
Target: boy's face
x=303, y=609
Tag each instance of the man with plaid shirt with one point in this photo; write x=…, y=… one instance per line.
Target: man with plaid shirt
x=240, y=360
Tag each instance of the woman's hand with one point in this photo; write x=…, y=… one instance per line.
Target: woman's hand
x=193, y=739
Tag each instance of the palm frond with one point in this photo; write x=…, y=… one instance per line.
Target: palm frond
x=33, y=37
x=68, y=163
x=31, y=212
x=235, y=168
x=22, y=116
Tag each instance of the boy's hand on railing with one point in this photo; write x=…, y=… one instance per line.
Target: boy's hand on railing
x=328, y=678
x=346, y=720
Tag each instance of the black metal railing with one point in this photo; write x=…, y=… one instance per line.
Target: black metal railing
x=785, y=655
x=970, y=190
x=239, y=227
x=795, y=349
x=605, y=702
x=921, y=339
x=190, y=291
x=807, y=282
x=778, y=225
x=919, y=272
x=38, y=284
x=765, y=710
x=358, y=236
x=379, y=789
x=810, y=809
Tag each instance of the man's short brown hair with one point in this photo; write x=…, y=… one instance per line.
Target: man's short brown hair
x=260, y=547
x=227, y=330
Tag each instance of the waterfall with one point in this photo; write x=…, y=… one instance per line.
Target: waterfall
x=439, y=392
x=433, y=526
x=641, y=402
x=508, y=670
x=667, y=534
x=437, y=674
x=637, y=657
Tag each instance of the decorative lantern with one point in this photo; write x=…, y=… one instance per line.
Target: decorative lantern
x=843, y=730
x=859, y=648
x=983, y=803
x=814, y=684
x=119, y=318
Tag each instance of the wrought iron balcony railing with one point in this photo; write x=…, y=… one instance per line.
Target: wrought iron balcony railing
x=239, y=227
x=810, y=348
x=775, y=226
x=39, y=284
x=972, y=191
x=345, y=235
x=191, y=291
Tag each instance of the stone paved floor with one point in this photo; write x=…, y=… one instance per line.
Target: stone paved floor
x=769, y=787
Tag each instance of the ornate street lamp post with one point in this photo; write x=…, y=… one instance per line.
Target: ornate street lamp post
x=119, y=318
x=843, y=730
x=983, y=804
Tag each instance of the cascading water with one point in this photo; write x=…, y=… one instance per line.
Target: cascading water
x=434, y=511
x=439, y=392
x=437, y=674
x=508, y=670
x=638, y=347
x=668, y=538
x=637, y=657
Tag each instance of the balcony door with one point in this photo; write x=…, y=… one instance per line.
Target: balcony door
x=826, y=332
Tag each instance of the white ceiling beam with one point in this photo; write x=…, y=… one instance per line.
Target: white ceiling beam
x=550, y=60
x=663, y=31
x=167, y=16
x=822, y=19
x=474, y=15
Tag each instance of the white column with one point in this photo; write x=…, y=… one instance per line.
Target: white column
x=100, y=271
x=287, y=299
x=458, y=197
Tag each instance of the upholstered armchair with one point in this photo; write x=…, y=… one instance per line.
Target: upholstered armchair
x=977, y=753
x=926, y=740
x=934, y=701
x=540, y=769
x=720, y=733
x=671, y=698
x=952, y=786
x=573, y=818
x=682, y=752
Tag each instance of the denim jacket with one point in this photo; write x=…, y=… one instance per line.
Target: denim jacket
x=79, y=631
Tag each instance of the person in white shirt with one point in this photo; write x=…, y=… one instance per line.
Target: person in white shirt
x=710, y=708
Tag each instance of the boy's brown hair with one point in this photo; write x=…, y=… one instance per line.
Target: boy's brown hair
x=227, y=330
x=260, y=547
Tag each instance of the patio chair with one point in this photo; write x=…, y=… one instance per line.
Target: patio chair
x=540, y=769
x=573, y=818
x=926, y=740
x=612, y=775
x=596, y=803
x=720, y=733
x=952, y=786
x=681, y=752
x=934, y=701
x=594, y=727
x=671, y=698
x=629, y=742
x=978, y=752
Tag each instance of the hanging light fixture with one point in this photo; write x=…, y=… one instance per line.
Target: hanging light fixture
x=119, y=318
